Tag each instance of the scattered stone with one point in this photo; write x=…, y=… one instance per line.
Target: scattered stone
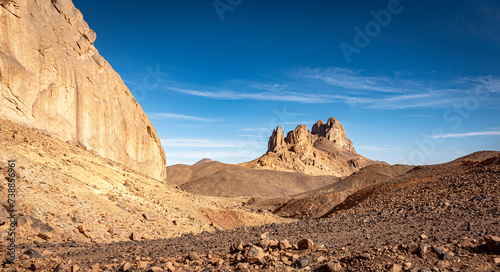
x=32, y=253
x=407, y=266
x=75, y=268
x=302, y=262
x=443, y=264
x=305, y=244
x=492, y=243
x=284, y=245
x=273, y=243
x=264, y=235
x=264, y=243
x=155, y=269
x=320, y=259
x=193, y=256
x=334, y=267
x=95, y=268
x=394, y=268
x=254, y=254
x=149, y=216
x=364, y=255
x=413, y=248
x=423, y=236
x=236, y=246
x=126, y=267
x=496, y=260
x=242, y=267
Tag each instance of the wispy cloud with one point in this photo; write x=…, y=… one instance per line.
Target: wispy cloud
x=353, y=80
x=255, y=129
x=468, y=134
x=174, y=116
x=340, y=85
x=197, y=143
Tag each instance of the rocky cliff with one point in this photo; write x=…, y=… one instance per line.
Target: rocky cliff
x=325, y=150
x=52, y=78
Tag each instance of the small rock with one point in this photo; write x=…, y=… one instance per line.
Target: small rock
x=242, y=267
x=32, y=253
x=302, y=262
x=4, y=215
x=334, y=267
x=254, y=254
x=423, y=236
x=149, y=216
x=407, y=266
x=492, y=243
x=273, y=243
x=95, y=268
x=236, y=246
x=394, y=268
x=412, y=248
x=75, y=268
x=496, y=261
x=264, y=243
x=284, y=244
x=320, y=259
x=443, y=264
x=126, y=267
x=264, y=235
x=155, y=269
x=364, y=255
x=193, y=256
x=305, y=244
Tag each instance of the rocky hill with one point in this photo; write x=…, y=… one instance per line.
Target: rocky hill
x=68, y=194
x=325, y=150
x=52, y=78
x=226, y=180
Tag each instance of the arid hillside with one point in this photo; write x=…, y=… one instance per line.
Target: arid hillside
x=67, y=193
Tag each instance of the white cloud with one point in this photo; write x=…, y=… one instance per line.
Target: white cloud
x=468, y=134
x=178, y=117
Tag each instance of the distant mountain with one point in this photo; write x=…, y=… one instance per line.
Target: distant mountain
x=325, y=150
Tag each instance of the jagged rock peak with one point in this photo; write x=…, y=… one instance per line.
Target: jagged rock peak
x=276, y=141
x=334, y=132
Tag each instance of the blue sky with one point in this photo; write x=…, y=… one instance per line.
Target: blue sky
x=412, y=81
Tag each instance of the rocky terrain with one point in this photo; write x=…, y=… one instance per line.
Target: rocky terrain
x=67, y=193
x=433, y=218
x=52, y=78
x=325, y=150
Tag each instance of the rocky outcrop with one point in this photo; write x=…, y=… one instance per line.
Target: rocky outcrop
x=52, y=78
x=325, y=150
x=334, y=132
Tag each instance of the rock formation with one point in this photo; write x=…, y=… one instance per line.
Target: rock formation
x=325, y=150
x=52, y=78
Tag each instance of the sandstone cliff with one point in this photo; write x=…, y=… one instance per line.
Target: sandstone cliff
x=52, y=78
x=325, y=150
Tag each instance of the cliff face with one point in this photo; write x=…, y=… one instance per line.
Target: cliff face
x=325, y=150
x=52, y=78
